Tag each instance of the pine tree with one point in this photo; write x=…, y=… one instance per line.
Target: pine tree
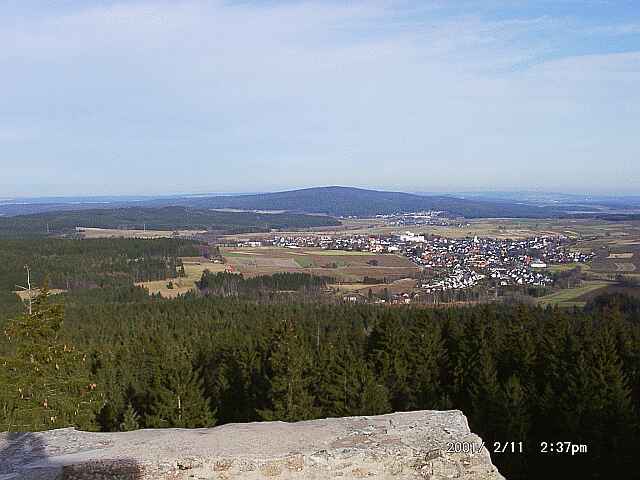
x=176, y=397
x=389, y=347
x=427, y=355
x=484, y=391
x=108, y=418
x=333, y=387
x=512, y=399
x=45, y=380
x=290, y=364
x=373, y=396
x=608, y=404
x=346, y=385
x=130, y=420
x=233, y=379
x=518, y=355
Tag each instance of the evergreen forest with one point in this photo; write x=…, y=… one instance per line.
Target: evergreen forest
x=117, y=359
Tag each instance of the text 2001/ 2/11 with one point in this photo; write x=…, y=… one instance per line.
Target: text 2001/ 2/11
x=556, y=447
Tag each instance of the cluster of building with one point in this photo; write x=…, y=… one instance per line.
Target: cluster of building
x=431, y=217
x=458, y=263
x=464, y=262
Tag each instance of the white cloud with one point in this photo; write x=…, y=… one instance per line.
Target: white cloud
x=365, y=92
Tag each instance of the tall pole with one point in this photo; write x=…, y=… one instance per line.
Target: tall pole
x=29, y=286
x=27, y=289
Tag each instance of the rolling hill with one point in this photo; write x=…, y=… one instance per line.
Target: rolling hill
x=332, y=201
x=349, y=201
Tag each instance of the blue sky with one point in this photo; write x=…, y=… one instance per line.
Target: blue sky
x=108, y=97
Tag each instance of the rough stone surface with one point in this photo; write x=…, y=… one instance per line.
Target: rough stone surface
x=411, y=445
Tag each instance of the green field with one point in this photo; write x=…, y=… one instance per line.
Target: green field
x=341, y=253
x=305, y=262
x=570, y=297
x=193, y=267
x=567, y=266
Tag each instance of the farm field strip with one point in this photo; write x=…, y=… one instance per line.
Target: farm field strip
x=91, y=232
x=344, y=266
x=398, y=286
x=620, y=255
x=572, y=295
x=625, y=267
x=336, y=253
x=563, y=267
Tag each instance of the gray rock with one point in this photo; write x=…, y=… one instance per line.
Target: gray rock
x=425, y=445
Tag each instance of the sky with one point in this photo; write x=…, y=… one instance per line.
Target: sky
x=101, y=97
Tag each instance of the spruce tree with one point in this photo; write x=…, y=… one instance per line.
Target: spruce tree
x=290, y=383
x=130, y=420
x=176, y=397
x=427, y=356
x=373, y=396
x=484, y=390
x=512, y=400
x=333, y=387
x=45, y=380
x=346, y=385
x=608, y=404
x=390, y=353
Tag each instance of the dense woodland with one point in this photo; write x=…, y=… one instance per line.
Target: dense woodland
x=164, y=218
x=124, y=360
x=72, y=264
x=223, y=284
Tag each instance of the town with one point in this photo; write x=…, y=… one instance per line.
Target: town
x=453, y=263
x=430, y=217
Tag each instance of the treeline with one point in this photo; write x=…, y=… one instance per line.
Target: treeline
x=165, y=218
x=519, y=373
x=225, y=284
x=610, y=217
x=73, y=264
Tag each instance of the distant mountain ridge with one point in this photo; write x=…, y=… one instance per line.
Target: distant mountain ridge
x=336, y=201
x=359, y=202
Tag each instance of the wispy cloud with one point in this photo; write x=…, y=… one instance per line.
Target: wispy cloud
x=222, y=96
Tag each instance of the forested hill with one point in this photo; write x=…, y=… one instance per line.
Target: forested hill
x=333, y=201
x=162, y=218
x=348, y=201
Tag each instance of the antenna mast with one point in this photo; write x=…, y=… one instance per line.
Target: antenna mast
x=27, y=289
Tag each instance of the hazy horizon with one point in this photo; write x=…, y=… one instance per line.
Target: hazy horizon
x=133, y=197
x=154, y=97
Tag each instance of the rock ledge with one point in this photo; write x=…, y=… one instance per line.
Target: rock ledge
x=410, y=445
